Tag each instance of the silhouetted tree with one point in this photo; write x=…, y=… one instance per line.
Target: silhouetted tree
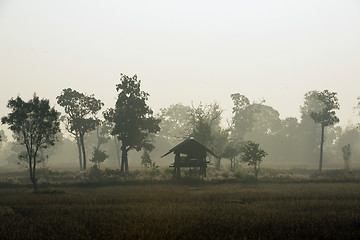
x=133, y=119
x=34, y=125
x=323, y=113
x=80, y=117
x=252, y=155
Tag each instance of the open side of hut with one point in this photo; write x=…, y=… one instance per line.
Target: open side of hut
x=190, y=154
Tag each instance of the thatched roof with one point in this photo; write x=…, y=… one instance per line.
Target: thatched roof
x=190, y=146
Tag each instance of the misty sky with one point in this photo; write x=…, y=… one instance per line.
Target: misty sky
x=183, y=51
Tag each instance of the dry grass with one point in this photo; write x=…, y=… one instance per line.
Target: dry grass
x=173, y=211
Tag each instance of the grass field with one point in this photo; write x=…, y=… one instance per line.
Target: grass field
x=183, y=211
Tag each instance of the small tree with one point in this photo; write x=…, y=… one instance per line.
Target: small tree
x=346, y=155
x=252, y=155
x=34, y=125
x=146, y=161
x=231, y=151
x=98, y=157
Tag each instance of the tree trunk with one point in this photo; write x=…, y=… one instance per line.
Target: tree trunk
x=124, y=159
x=126, y=163
x=30, y=168
x=83, y=150
x=34, y=173
x=117, y=150
x=321, y=147
x=79, y=151
x=256, y=171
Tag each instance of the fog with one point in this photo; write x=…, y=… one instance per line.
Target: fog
x=189, y=53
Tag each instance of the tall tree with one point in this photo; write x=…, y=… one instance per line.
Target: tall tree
x=323, y=113
x=35, y=125
x=80, y=117
x=133, y=119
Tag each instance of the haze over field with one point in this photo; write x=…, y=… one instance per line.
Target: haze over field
x=183, y=52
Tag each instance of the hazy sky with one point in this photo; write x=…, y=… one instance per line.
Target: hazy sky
x=183, y=51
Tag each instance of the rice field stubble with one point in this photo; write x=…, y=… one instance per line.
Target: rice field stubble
x=172, y=211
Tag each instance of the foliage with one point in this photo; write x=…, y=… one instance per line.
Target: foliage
x=80, y=117
x=252, y=155
x=132, y=117
x=34, y=125
x=328, y=102
x=346, y=155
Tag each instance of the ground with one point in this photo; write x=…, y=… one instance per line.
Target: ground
x=183, y=211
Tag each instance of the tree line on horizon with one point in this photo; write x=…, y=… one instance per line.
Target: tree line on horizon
x=132, y=125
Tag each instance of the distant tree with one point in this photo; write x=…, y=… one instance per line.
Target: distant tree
x=109, y=127
x=205, y=119
x=350, y=135
x=206, y=129
x=346, y=155
x=98, y=156
x=146, y=160
x=231, y=150
x=323, y=113
x=3, y=137
x=133, y=119
x=176, y=124
x=358, y=108
x=35, y=125
x=309, y=135
x=102, y=132
x=244, y=116
x=252, y=155
x=80, y=117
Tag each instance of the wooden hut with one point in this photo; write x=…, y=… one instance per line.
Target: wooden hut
x=190, y=154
